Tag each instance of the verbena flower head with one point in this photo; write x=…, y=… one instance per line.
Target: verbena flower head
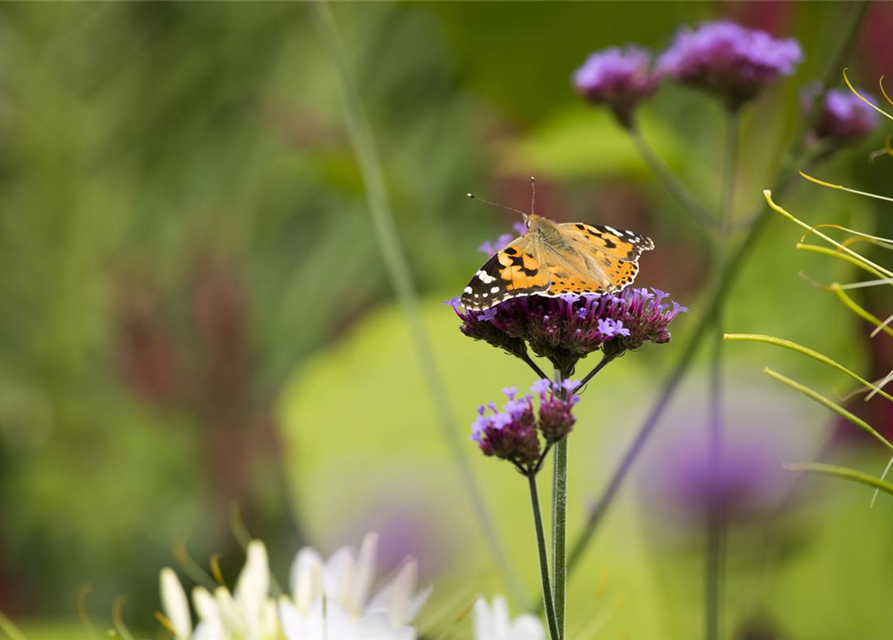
x=617, y=77
x=843, y=119
x=513, y=433
x=569, y=327
x=495, y=623
x=734, y=61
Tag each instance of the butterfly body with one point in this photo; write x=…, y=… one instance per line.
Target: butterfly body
x=556, y=258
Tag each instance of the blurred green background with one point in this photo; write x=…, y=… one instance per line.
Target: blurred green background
x=195, y=312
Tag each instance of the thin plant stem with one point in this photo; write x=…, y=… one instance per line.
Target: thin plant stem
x=533, y=365
x=559, y=532
x=671, y=183
x=830, y=404
x=10, y=629
x=716, y=517
x=548, y=604
x=716, y=300
x=399, y=273
x=601, y=365
x=559, y=523
x=840, y=472
x=862, y=313
x=806, y=351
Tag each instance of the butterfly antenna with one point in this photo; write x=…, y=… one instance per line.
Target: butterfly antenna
x=495, y=204
x=532, y=194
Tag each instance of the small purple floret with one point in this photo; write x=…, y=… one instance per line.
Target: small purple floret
x=492, y=247
x=732, y=60
x=618, y=78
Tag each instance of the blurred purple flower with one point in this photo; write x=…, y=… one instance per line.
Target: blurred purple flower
x=684, y=482
x=618, y=78
x=844, y=119
x=734, y=61
x=513, y=432
x=491, y=248
x=567, y=328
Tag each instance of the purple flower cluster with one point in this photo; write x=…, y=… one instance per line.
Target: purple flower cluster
x=569, y=327
x=513, y=434
x=618, y=78
x=722, y=56
x=844, y=119
x=732, y=60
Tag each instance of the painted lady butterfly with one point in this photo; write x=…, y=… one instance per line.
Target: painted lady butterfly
x=554, y=258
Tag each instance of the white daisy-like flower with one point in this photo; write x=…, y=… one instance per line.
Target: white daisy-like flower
x=330, y=600
x=333, y=599
x=249, y=613
x=494, y=623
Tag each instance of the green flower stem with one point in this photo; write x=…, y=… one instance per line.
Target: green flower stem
x=534, y=366
x=715, y=551
x=837, y=254
x=876, y=268
x=399, y=273
x=544, y=559
x=862, y=313
x=671, y=183
x=840, y=187
x=840, y=472
x=559, y=532
x=716, y=299
x=601, y=365
x=559, y=518
x=815, y=355
x=830, y=404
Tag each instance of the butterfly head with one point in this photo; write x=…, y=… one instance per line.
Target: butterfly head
x=540, y=225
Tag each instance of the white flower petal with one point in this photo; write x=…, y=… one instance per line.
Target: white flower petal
x=175, y=605
x=527, y=627
x=340, y=625
x=398, y=597
x=231, y=618
x=269, y=620
x=483, y=621
x=417, y=603
x=205, y=604
x=338, y=573
x=364, y=573
x=501, y=621
x=306, y=578
x=297, y=625
x=306, y=572
x=210, y=630
x=252, y=588
x=494, y=623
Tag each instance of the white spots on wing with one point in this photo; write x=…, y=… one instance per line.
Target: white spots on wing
x=494, y=290
x=614, y=231
x=467, y=289
x=484, y=277
x=485, y=294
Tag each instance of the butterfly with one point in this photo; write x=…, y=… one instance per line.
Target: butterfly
x=554, y=258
